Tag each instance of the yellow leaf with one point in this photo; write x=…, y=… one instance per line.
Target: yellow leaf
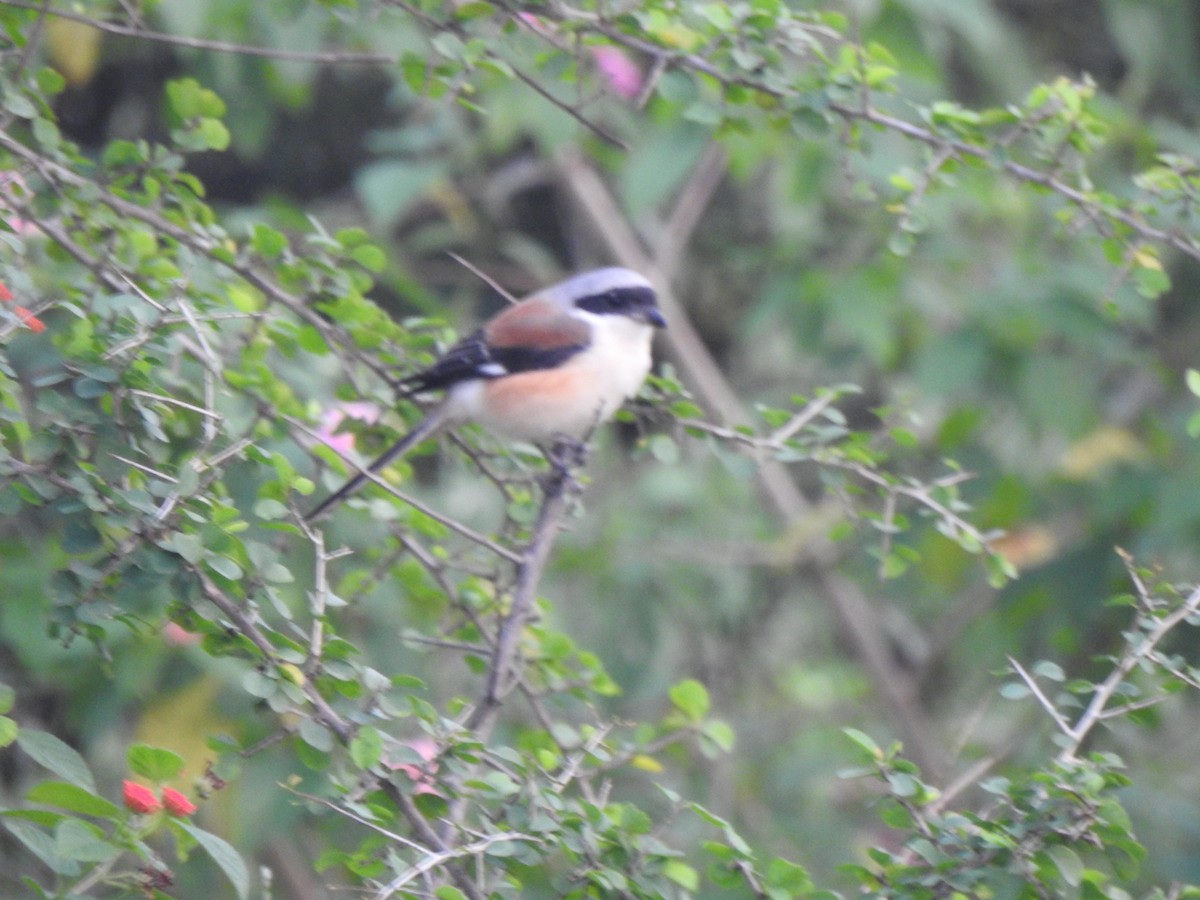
x=646, y=763
x=74, y=49
x=1104, y=447
x=292, y=673
x=182, y=721
x=1146, y=258
x=680, y=37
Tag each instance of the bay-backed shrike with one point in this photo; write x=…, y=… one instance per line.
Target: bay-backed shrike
x=554, y=365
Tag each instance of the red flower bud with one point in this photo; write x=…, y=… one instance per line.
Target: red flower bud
x=5, y=293
x=32, y=322
x=177, y=804
x=139, y=798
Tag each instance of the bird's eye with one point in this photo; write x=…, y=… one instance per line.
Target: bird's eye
x=617, y=300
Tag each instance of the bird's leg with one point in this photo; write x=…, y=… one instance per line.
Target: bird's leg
x=565, y=455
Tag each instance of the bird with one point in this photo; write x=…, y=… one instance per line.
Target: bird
x=551, y=366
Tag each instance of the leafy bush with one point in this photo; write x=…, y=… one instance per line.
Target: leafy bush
x=417, y=690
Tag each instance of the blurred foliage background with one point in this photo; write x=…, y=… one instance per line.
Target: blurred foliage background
x=981, y=325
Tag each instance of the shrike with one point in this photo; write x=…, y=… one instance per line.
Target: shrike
x=554, y=365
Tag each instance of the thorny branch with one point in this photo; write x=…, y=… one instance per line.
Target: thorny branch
x=1136, y=651
x=1141, y=646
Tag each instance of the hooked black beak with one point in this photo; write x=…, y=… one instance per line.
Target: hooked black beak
x=652, y=315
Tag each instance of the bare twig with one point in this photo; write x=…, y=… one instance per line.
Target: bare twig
x=434, y=860
x=1030, y=682
x=246, y=626
x=482, y=276
x=501, y=670
x=453, y=524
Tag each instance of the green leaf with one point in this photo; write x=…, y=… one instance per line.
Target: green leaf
x=316, y=735
x=52, y=753
x=8, y=731
x=268, y=242
x=1193, y=381
x=1049, y=670
x=50, y=81
x=19, y=105
x=369, y=257
x=224, y=855
x=74, y=839
x=682, y=874
x=225, y=566
x=864, y=741
x=190, y=100
x=449, y=892
x=213, y=134
x=366, y=748
x=42, y=846
x=154, y=763
x=188, y=546
x=1069, y=865
x=71, y=797
x=720, y=733
x=788, y=876
x=7, y=697
x=1014, y=690
x=690, y=697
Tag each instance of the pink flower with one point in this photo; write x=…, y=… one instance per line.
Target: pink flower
x=178, y=636
x=32, y=322
x=534, y=23
x=333, y=418
x=139, y=798
x=422, y=775
x=618, y=71
x=176, y=803
x=12, y=183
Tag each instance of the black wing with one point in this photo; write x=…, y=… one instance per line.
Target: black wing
x=473, y=357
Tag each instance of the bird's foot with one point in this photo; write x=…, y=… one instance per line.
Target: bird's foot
x=566, y=455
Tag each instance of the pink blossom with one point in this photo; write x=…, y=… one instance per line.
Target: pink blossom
x=534, y=23
x=178, y=636
x=139, y=798
x=618, y=71
x=333, y=418
x=12, y=183
x=176, y=803
x=422, y=775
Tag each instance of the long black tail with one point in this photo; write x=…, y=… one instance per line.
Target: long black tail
x=431, y=423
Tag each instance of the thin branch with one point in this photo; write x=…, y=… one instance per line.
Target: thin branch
x=243, y=622
x=453, y=524
x=482, y=276
x=174, y=401
x=320, y=56
x=437, y=859
x=1030, y=682
x=525, y=78
x=149, y=471
x=431, y=839
x=500, y=678
x=1094, y=712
